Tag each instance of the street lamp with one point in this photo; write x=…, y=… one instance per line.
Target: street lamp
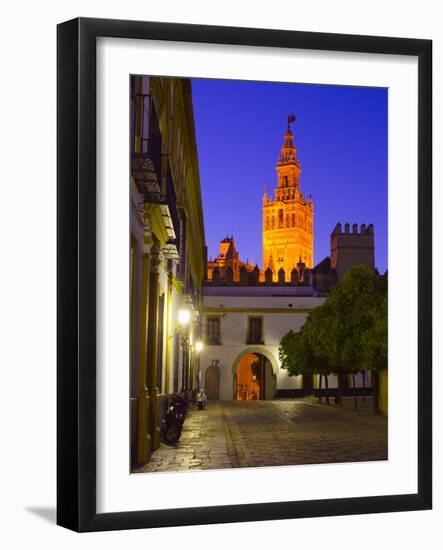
x=198, y=346
x=184, y=316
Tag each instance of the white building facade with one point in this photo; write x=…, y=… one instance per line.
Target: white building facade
x=240, y=322
x=243, y=328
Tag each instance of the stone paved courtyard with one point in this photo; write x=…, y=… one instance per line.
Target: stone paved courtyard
x=232, y=434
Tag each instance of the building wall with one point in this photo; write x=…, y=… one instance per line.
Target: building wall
x=383, y=395
x=280, y=314
x=168, y=252
x=137, y=233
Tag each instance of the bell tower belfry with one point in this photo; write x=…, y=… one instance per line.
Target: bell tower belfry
x=288, y=218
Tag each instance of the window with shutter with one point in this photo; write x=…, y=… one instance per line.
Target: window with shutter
x=255, y=334
x=213, y=330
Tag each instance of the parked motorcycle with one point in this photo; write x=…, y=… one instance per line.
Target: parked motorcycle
x=174, y=419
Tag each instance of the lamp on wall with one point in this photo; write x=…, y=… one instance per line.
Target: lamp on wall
x=198, y=346
x=184, y=316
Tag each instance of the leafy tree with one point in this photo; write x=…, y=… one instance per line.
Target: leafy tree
x=346, y=335
x=356, y=304
x=375, y=347
x=302, y=352
x=295, y=352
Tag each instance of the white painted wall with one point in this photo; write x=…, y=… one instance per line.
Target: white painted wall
x=234, y=326
x=278, y=319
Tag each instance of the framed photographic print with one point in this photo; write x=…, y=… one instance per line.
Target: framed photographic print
x=244, y=254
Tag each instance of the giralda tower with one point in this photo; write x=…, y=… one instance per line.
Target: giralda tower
x=288, y=218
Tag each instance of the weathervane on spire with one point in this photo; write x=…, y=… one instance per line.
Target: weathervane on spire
x=291, y=119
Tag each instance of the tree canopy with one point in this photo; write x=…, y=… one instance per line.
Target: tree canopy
x=346, y=334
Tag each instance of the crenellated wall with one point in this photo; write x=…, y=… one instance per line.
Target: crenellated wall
x=257, y=277
x=351, y=246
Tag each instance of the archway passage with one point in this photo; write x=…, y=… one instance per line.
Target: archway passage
x=255, y=378
x=212, y=382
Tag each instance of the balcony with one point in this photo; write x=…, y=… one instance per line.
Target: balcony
x=145, y=177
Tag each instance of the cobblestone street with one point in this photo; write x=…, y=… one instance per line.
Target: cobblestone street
x=232, y=434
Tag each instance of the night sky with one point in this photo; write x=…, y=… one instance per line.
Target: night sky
x=341, y=139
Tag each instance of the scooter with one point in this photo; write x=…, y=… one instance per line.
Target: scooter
x=174, y=419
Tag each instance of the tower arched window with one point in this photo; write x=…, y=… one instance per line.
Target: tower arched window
x=293, y=220
x=273, y=222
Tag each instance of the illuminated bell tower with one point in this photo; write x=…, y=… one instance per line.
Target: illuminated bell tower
x=288, y=218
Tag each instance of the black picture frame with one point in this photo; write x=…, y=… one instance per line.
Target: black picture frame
x=76, y=280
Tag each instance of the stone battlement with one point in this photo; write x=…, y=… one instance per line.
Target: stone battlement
x=350, y=248
x=364, y=229
x=256, y=277
x=320, y=278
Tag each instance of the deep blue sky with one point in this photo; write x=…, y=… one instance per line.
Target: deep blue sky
x=341, y=140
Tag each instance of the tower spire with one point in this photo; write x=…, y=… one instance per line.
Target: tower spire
x=288, y=216
x=288, y=154
x=288, y=166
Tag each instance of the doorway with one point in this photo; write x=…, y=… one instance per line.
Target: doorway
x=255, y=379
x=212, y=382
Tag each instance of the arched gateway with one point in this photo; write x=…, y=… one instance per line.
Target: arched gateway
x=254, y=375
